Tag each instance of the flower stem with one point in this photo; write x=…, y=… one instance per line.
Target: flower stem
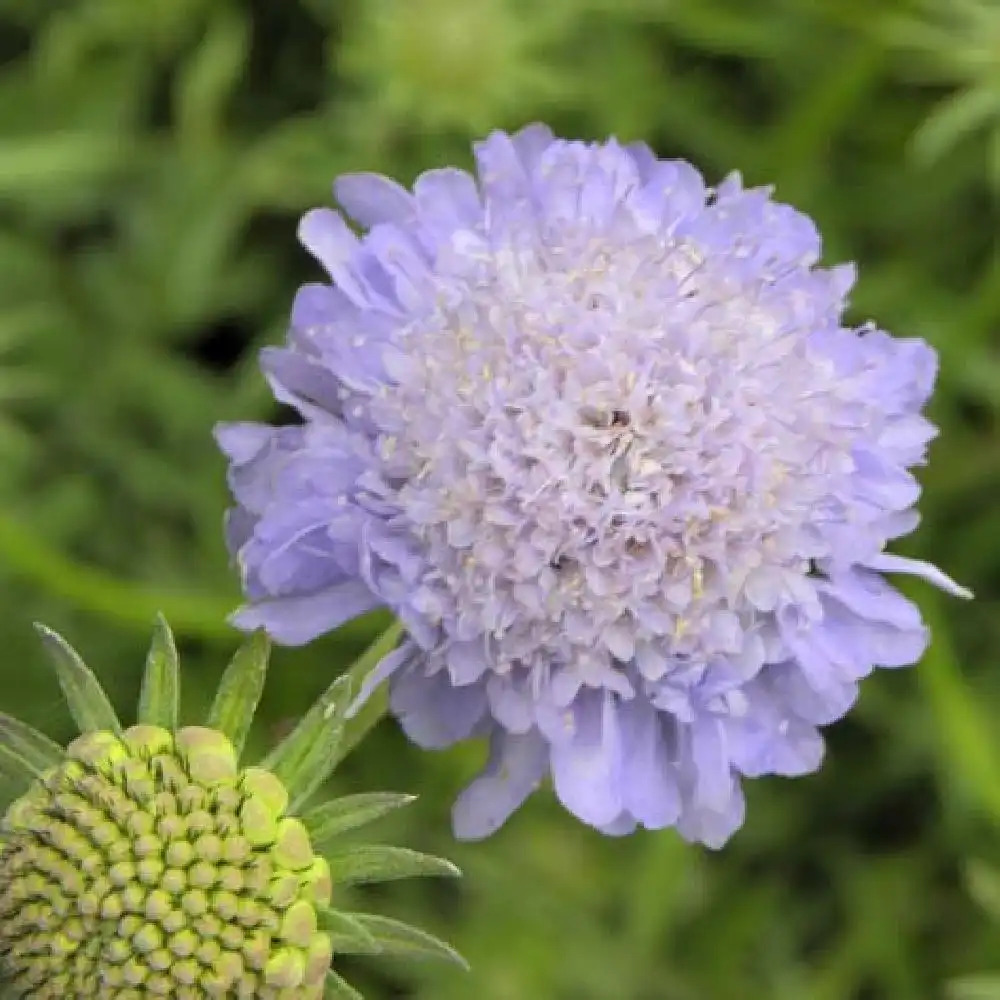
x=367, y=718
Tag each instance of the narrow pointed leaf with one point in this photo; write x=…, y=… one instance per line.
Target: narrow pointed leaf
x=15, y=768
x=380, y=863
x=240, y=689
x=360, y=720
x=306, y=757
x=337, y=816
x=393, y=937
x=160, y=695
x=336, y=988
x=87, y=702
x=36, y=750
x=25, y=753
x=349, y=936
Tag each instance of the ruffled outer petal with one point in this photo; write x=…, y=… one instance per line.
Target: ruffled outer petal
x=299, y=619
x=515, y=769
x=432, y=712
x=650, y=786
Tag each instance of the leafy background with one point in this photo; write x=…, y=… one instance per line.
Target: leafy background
x=154, y=158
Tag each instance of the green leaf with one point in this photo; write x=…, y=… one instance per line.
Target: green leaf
x=307, y=756
x=336, y=988
x=984, y=986
x=953, y=119
x=349, y=935
x=160, y=696
x=25, y=753
x=993, y=160
x=88, y=704
x=983, y=881
x=37, y=163
x=969, y=748
x=205, y=83
x=381, y=863
x=240, y=689
x=393, y=937
x=15, y=769
x=123, y=602
x=11, y=993
x=330, y=819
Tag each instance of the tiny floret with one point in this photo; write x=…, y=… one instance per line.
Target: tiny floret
x=599, y=436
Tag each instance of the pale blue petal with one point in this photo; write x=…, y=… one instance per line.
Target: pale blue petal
x=515, y=769
x=296, y=620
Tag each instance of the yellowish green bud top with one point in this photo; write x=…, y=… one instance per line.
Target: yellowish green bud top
x=148, y=865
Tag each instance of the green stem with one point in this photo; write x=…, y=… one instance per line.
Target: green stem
x=358, y=728
x=126, y=602
x=90, y=589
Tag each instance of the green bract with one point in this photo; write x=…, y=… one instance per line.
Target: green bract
x=147, y=862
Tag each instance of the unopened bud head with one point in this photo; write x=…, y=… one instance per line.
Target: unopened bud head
x=147, y=864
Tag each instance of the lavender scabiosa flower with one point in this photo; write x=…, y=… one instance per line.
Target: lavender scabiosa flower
x=597, y=435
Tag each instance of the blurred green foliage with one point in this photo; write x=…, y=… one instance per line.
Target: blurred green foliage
x=154, y=158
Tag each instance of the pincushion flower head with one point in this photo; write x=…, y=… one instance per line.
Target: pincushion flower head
x=147, y=862
x=598, y=435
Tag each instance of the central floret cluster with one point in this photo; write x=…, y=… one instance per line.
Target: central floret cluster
x=610, y=451
x=597, y=435
x=147, y=865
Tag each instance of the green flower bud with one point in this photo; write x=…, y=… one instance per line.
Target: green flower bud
x=451, y=63
x=133, y=913
x=143, y=862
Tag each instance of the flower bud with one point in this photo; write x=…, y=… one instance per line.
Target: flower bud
x=144, y=862
x=149, y=910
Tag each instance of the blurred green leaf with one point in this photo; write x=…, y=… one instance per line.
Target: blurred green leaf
x=955, y=118
x=981, y=987
x=95, y=591
x=206, y=82
x=33, y=164
x=971, y=753
x=984, y=886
